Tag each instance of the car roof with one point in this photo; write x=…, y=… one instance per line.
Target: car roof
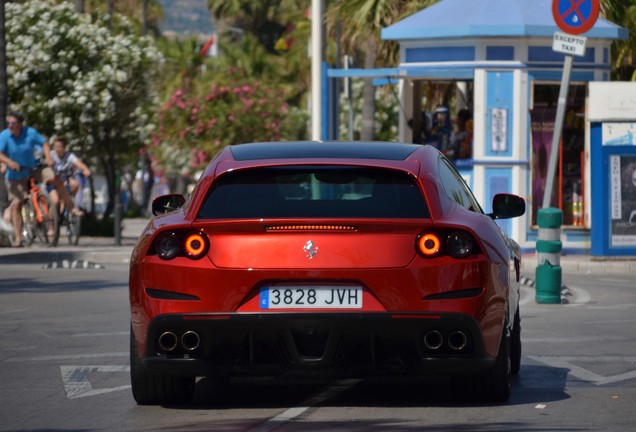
x=323, y=150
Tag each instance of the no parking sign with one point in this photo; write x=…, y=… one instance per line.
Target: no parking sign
x=575, y=16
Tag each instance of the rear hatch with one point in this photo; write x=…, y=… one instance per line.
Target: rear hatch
x=312, y=244
x=313, y=216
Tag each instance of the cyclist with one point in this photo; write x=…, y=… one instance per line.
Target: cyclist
x=65, y=164
x=17, y=146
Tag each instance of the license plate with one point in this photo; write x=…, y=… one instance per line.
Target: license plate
x=311, y=297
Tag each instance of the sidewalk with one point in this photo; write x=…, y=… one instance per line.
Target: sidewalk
x=585, y=264
x=102, y=250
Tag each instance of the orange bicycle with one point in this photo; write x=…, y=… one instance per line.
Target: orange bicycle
x=38, y=218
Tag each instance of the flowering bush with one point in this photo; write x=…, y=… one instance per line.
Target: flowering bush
x=81, y=77
x=234, y=109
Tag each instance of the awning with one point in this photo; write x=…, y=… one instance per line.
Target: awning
x=445, y=70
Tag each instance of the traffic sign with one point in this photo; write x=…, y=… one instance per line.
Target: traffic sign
x=575, y=16
x=569, y=44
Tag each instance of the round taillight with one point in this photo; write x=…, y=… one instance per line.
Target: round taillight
x=459, y=244
x=195, y=245
x=167, y=245
x=428, y=244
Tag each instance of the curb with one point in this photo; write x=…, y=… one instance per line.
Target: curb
x=567, y=296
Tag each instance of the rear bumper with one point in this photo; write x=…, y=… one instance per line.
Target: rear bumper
x=316, y=344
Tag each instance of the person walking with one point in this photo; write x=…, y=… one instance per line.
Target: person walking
x=18, y=144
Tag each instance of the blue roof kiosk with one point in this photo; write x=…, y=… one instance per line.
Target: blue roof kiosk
x=503, y=48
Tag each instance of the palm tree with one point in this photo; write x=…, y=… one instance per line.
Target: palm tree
x=623, y=13
x=184, y=62
x=362, y=21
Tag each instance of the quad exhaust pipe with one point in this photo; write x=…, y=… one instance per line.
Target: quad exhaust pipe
x=190, y=340
x=433, y=340
x=169, y=341
x=456, y=341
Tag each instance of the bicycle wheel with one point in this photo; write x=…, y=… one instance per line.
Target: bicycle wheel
x=47, y=229
x=28, y=224
x=38, y=228
x=73, y=228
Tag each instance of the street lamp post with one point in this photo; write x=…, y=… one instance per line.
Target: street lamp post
x=317, y=8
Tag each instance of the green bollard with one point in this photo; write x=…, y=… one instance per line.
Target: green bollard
x=548, y=273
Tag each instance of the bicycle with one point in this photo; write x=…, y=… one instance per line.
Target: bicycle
x=38, y=221
x=64, y=218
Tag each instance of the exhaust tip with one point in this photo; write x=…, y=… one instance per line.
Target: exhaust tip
x=457, y=340
x=190, y=340
x=433, y=340
x=168, y=341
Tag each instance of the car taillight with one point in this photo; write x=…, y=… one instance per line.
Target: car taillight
x=195, y=245
x=458, y=244
x=169, y=245
x=428, y=244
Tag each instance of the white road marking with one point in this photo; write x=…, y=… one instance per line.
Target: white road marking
x=126, y=333
x=587, y=375
x=13, y=311
x=561, y=340
x=77, y=384
x=294, y=412
x=580, y=296
x=66, y=357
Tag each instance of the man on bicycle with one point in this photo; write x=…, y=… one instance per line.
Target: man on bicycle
x=65, y=165
x=17, y=147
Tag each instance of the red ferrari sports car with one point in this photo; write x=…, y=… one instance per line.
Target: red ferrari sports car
x=332, y=258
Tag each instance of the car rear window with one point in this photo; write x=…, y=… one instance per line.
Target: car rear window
x=314, y=192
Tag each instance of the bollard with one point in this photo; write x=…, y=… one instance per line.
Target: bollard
x=548, y=273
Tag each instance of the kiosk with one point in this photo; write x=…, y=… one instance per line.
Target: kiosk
x=612, y=117
x=501, y=52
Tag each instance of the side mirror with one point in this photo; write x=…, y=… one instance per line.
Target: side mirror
x=506, y=206
x=167, y=203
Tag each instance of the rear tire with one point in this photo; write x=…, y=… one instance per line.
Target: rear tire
x=515, y=345
x=490, y=386
x=150, y=389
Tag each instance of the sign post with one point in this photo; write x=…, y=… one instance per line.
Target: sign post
x=572, y=17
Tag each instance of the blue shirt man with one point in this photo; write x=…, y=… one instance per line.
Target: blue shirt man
x=21, y=149
x=18, y=144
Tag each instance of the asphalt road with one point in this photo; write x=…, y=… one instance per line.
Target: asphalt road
x=64, y=367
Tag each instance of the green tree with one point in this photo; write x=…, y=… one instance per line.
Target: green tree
x=196, y=120
x=273, y=41
x=86, y=79
x=362, y=21
x=146, y=17
x=265, y=19
x=184, y=63
x=234, y=109
x=623, y=13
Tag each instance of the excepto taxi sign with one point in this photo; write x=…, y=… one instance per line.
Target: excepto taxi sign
x=569, y=44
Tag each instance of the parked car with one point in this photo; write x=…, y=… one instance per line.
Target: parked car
x=326, y=259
